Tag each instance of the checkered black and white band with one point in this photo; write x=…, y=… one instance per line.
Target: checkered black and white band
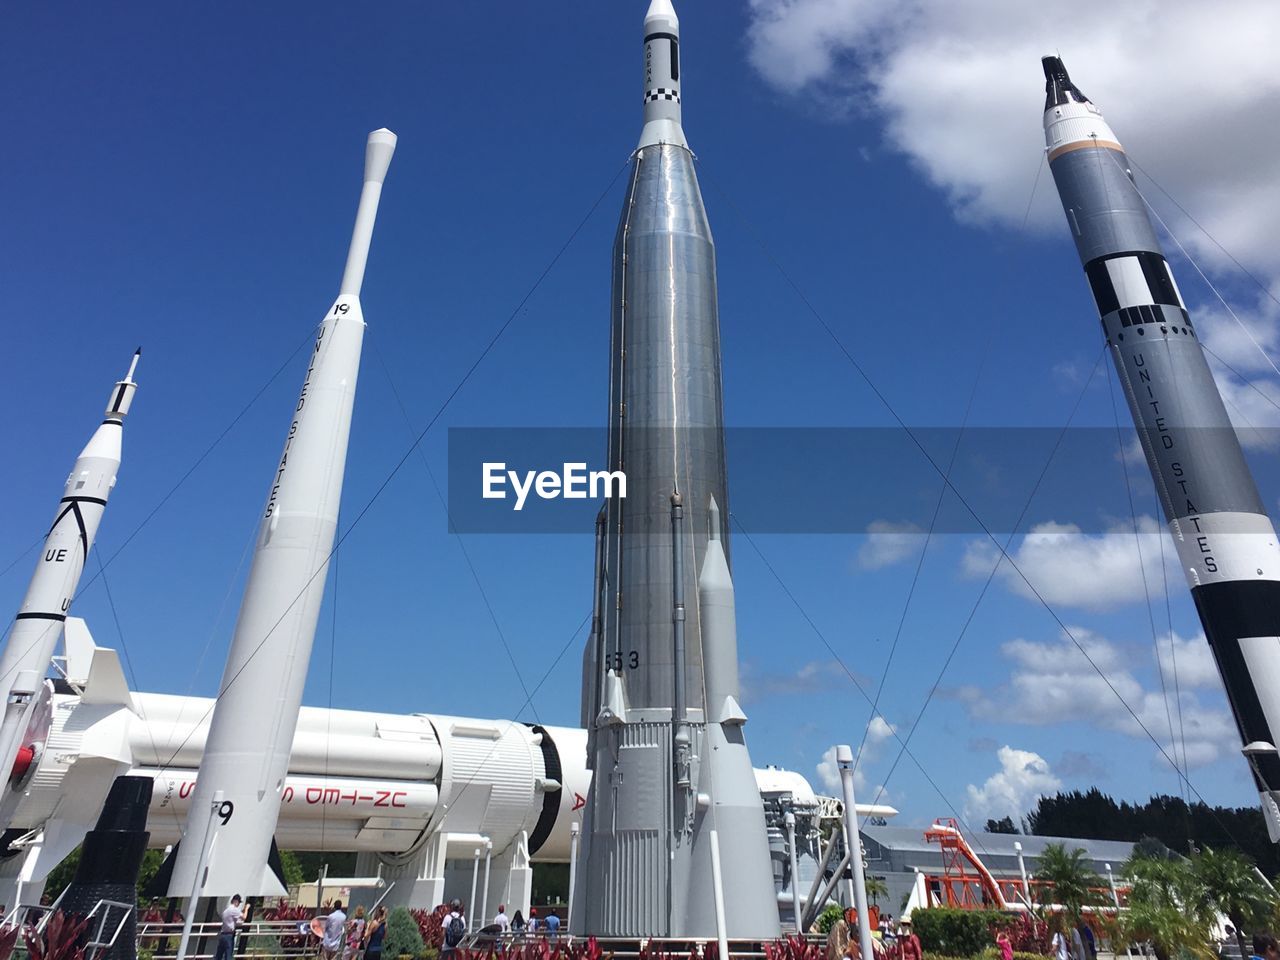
x=661, y=93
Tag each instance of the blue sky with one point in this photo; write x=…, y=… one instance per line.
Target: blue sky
x=185, y=178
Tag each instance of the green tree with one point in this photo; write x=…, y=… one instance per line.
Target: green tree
x=293, y=875
x=403, y=936
x=1169, y=907
x=1075, y=884
x=1235, y=889
x=1003, y=825
x=876, y=888
x=62, y=874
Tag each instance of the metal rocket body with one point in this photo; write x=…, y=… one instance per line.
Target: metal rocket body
x=645, y=862
x=246, y=757
x=1225, y=541
x=38, y=625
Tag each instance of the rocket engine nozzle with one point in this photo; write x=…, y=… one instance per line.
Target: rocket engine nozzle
x=22, y=763
x=1058, y=88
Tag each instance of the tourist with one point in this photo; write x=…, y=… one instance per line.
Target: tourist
x=1085, y=943
x=454, y=926
x=1265, y=947
x=553, y=924
x=231, y=920
x=533, y=920
x=335, y=929
x=502, y=921
x=517, y=923
x=1004, y=945
x=838, y=943
x=355, y=934
x=908, y=942
x=374, y=934
x=1060, y=945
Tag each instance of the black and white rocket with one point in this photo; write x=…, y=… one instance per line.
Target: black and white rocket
x=246, y=756
x=1225, y=540
x=38, y=626
x=674, y=837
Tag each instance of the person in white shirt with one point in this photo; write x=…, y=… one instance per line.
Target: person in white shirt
x=232, y=917
x=1060, y=946
x=335, y=933
x=502, y=920
x=454, y=928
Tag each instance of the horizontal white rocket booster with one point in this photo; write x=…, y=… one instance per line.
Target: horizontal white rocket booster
x=380, y=783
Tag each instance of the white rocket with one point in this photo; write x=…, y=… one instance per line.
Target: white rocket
x=246, y=757
x=38, y=626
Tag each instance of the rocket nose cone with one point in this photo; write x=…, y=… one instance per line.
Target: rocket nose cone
x=377, y=154
x=1053, y=67
x=1058, y=88
x=661, y=10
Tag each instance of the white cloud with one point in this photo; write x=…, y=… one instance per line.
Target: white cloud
x=889, y=543
x=959, y=91
x=1024, y=776
x=1188, y=661
x=829, y=772
x=1052, y=683
x=1069, y=568
x=878, y=731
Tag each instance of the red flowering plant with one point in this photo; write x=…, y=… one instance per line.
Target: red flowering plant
x=60, y=940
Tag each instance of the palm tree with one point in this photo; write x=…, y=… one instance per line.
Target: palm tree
x=1075, y=884
x=1235, y=889
x=876, y=888
x=1169, y=907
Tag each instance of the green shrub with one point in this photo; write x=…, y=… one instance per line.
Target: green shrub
x=828, y=917
x=956, y=933
x=403, y=936
x=1024, y=955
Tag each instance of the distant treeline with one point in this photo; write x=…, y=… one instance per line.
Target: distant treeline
x=1093, y=815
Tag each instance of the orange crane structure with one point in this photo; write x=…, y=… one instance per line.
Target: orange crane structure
x=965, y=882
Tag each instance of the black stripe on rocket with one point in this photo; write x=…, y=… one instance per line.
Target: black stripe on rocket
x=1231, y=610
x=73, y=507
x=1146, y=286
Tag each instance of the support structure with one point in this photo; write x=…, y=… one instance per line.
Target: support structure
x=844, y=760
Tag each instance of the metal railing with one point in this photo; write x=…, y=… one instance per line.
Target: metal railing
x=259, y=938
x=104, y=930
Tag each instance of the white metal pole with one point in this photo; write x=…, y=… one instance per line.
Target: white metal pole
x=722, y=935
x=198, y=882
x=844, y=760
x=471, y=904
x=574, y=828
x=790, y=820
x=1022, y=869
x=484, y=896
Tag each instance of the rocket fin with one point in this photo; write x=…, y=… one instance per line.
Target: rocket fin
x=271, y=885
x=96, y=669
x=79, y=646
x=106, y=683
x=731, y=714
x=275, y=865
x=614, y=709
x=159, y=885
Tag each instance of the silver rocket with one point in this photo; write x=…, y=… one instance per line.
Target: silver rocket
x=671, y=768
x=246, y=755
x=38, y=626
x=1225, y=541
